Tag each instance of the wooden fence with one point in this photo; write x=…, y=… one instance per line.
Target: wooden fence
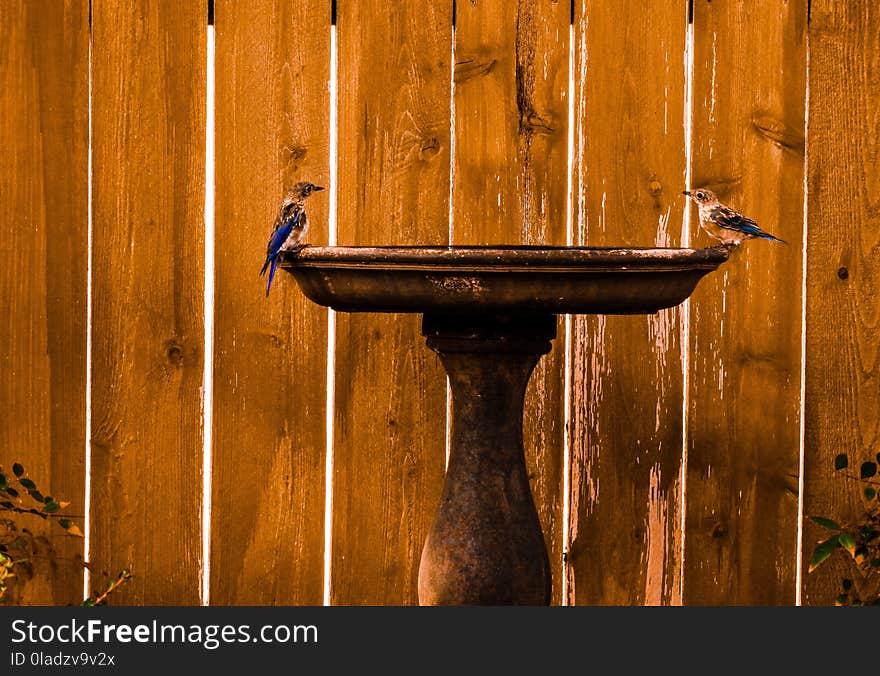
x=696, y=439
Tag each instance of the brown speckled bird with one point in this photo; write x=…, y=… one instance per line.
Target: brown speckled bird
x=722, y=222
x=291, y=225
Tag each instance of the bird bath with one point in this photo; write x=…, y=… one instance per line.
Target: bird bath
x=489, y=312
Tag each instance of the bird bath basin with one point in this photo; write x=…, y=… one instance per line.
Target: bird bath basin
x=489, y=312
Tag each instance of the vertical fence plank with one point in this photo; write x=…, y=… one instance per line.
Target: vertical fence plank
x=44, y=247
x=390, y=398
x=744, y=399
x=148, y=126
x=626, y=371
x=511, y=164
x=842, y=389
x=270, y=353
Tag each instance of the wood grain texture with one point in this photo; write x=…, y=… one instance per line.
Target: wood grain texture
x=44, y=246
x=744, y=399
x=510, y=180
x=842, y=388
x=390, y=397
x=626, y=378
x=148, y=145
x=270, y=353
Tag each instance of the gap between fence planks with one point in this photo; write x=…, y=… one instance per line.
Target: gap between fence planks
x=743, y=418
x=148, y=145
x=626, y=375
x=270, y=355
x=842, y=388
x=44, y=246
x=390, y=398
x=510, y=181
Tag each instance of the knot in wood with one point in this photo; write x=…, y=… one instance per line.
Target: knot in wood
x=430, y=147
x=531, y=121
x=173, y=353
x=296, y=152
x=719, y=530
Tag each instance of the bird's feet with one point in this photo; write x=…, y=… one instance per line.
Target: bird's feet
x=295, y=249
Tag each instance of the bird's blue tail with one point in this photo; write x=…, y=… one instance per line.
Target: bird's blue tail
x=767, y=235
x=272, y=267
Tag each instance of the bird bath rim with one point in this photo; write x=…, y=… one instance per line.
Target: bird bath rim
x=500, y=279
x=512, y=258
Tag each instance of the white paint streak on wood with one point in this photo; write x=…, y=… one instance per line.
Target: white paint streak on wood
x=661, y=239
x=588, y=382
x=599, y=369
x=657, y=543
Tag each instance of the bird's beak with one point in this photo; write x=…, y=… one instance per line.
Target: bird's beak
x=318, y=187
x=686, y=192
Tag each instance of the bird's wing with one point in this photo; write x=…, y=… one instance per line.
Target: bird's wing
x=730, y=219
x=287, y=210
x=287, y=220
x=276, y=241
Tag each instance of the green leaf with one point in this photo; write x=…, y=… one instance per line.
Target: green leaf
x=89, y=602
x=840, y=600
x=847, y=584
x=48, y=498
x=7, y=504
x=17, y=469
x=827, y=523
x=841, y=461
x=867, y=534
x=65, y=523
x=870, y=493
x=878, y=457
x=848, y=542
x=11, y=491
x=51, y=507
x=823, y=551
x=36, y=495
x=867, y=470
x=2, y=480
x=27, y=483
x=875, y=563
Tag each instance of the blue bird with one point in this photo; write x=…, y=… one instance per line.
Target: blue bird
x=722, y=222
x=290, y=227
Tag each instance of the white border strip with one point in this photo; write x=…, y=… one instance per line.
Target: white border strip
x=87, y=500
x=567, y=349
x=686, y=306
x=208, y=373
x=451, y=237
x=331, y=318
x=803, y=389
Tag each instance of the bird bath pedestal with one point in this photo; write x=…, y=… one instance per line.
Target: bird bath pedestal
x=490, y=313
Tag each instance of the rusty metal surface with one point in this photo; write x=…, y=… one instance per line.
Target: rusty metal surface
x=509, y=279
x=485, y=546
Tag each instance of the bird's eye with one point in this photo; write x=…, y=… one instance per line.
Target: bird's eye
x=701, y=195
